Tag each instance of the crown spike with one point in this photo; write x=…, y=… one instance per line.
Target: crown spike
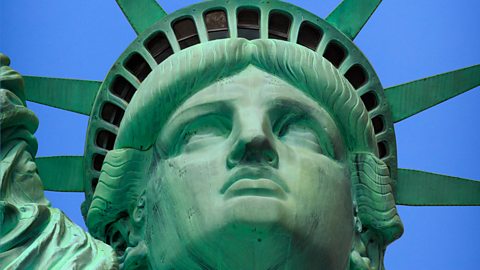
x=411, y=98
x=141, y=13
x=421, y=188
x=351, y=15
x=61, y=173
x=67, y=94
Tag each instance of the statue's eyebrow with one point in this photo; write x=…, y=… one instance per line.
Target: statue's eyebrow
x=310, y=109
x=291, y=105
x=214, y=106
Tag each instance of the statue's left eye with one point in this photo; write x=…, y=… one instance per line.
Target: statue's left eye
x=299, y=134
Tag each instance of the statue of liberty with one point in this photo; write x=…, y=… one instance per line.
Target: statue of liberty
x=228, y=135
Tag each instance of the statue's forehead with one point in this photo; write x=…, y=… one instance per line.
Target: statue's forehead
x=253, y=94
x=251, y=85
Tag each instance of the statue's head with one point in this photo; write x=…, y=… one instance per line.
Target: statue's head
x=237, y=152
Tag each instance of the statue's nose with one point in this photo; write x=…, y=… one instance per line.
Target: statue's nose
x=254, y=146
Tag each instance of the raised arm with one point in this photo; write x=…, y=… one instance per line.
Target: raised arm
x=34, y=235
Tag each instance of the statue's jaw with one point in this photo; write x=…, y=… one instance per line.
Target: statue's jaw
x=248, y=241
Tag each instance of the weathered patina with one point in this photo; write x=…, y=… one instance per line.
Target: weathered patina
x=228, y=135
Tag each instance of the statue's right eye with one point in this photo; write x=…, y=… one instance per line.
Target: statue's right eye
x=204, y=132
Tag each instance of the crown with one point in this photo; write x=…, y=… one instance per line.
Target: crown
x=161, y=35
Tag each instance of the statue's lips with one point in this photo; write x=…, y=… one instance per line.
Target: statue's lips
x=255, y=181
x=255, y=187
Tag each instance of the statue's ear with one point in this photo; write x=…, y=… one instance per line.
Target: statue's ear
x=359, y=259
x=367, y=251
x=135, y=255
x=125, y=234
x=137, y=221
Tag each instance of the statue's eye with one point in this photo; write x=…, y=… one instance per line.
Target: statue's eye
x=204, y=131
x=297, y=131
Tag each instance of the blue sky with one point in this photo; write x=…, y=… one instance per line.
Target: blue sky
x=404, y=40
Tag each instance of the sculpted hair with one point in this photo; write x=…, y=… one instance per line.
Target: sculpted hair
x=378, y=222
x=195, y=68
x=124, y=172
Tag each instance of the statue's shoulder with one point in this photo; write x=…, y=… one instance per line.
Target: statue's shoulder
x=40, y=237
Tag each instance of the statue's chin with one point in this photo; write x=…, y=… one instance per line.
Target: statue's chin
x=248, y=245
x=256, y=214
x=239, y=245
x=255, y=233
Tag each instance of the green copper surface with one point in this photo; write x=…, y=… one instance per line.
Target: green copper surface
x=61, y=173
x=67, y=94
x=248, y=145
x=141, y=13
x=217, y=141
x=123, y=78
x=351, y=15
x=423, y=188
x=261, y=147
x=411, y=98
x=34, y=235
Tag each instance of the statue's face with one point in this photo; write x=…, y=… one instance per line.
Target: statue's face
x=252, y=165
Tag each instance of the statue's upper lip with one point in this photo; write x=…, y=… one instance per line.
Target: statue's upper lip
x=261, y=181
